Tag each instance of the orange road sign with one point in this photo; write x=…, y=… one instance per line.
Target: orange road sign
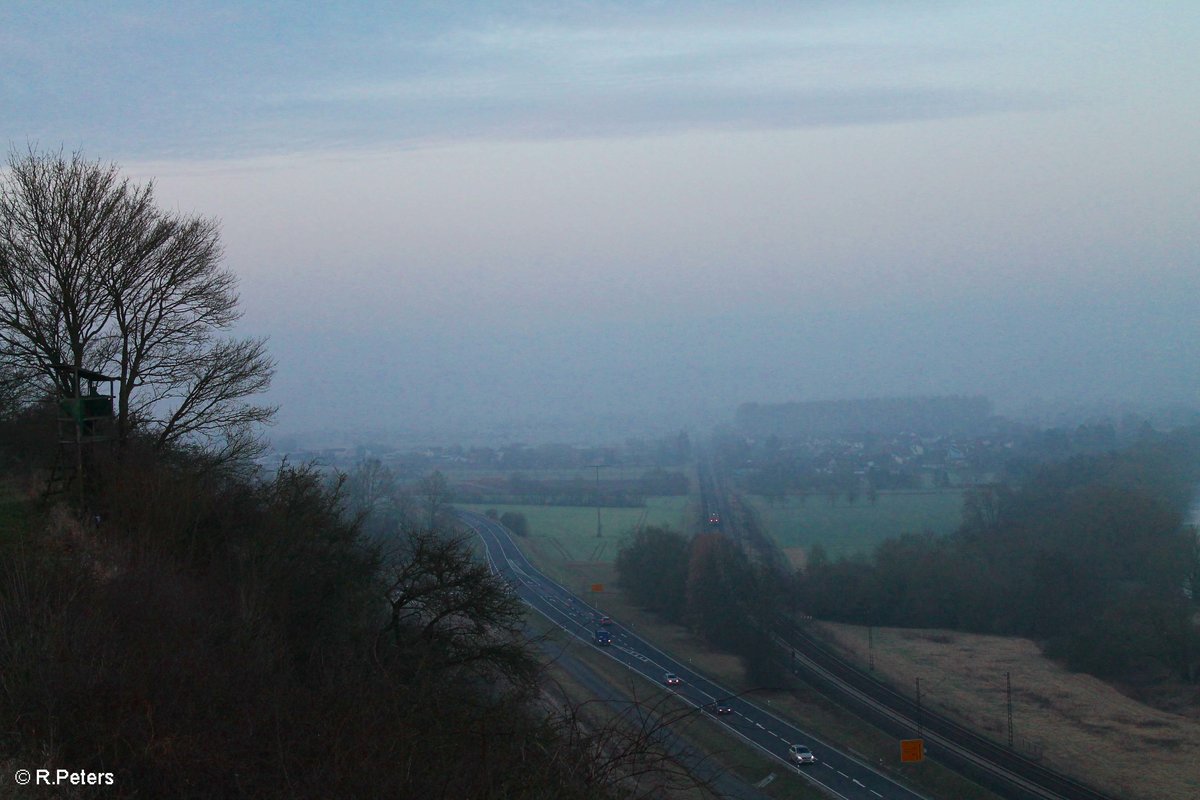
x=912, y=750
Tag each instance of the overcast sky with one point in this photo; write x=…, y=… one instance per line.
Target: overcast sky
x=460, y=216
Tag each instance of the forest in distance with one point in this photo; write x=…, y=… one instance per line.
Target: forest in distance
x=585, y=401
x=1091, y=556
x=176, y=621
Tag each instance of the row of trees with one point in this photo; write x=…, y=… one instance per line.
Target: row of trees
x=210, y=632
x=95, y=276
x=1090, y=557
x=236, y=638
x=707, y=583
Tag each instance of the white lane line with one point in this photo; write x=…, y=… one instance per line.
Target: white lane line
x=760, y=727
x=844, y=775
x=807, y=776
x=826, y=764
x=863, y=785
x=877, y=794
x=773, y=733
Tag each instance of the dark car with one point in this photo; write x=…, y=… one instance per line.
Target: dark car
x=671, y=679
x=721, y=710
x=603, y=637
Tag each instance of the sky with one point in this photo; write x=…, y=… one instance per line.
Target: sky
x=551, y=220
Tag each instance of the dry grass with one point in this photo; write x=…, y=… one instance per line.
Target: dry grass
x=701, y=733
x=1077, y=724
x=811, y=710
x=796, y=556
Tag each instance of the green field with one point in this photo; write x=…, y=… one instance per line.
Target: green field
x=568, y=533
x=846, y=529
x=585, y=474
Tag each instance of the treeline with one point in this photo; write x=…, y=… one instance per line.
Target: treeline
x=923, y=415
x=202, y=635
x=1091, y=557
x=195, y=628
x=623, y=493
x=515, y=521
x=707, y=583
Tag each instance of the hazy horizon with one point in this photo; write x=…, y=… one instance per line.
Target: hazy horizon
x=448, y=218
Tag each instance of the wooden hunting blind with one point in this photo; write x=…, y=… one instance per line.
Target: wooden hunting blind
x=85, y=417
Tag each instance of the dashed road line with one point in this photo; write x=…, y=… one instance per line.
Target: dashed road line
x=863, y=785
x=553, y=621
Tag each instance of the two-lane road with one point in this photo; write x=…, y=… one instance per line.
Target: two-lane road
x=837, y=773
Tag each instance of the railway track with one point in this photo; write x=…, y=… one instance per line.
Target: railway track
x=996, y=766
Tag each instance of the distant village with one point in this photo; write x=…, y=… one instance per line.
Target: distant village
x=930, y=444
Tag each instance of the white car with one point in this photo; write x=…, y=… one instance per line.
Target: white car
x=800, y=754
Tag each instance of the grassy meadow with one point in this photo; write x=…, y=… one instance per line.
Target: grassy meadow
x=562, y=543
x=1072, y=722
x=562, y=538
x=844, y=529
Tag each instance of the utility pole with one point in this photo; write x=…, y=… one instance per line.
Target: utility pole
x=919, y=732
x=599, y=529
x=1008, y=682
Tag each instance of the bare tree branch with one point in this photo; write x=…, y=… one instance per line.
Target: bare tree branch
x=93, y=275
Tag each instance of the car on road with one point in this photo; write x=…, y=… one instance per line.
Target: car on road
x=800, y=754
x=721, y=710
x=605, y=620
x=671, y=679
x=603, y=637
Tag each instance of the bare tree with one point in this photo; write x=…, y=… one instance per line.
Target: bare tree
x=370, y=487
x=434, y=492
x=634, y=745
x=447, y=610
x=60, y=221
x=93, y=275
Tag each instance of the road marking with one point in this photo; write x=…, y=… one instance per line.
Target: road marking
x=863, y=785
x=844, y=775
x=773, y=733
x=807, y=776
x=760, y=727
x=765, y=781
x=877, y=794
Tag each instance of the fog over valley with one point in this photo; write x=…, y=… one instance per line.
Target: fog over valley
x=623, y=400
x=655, y=212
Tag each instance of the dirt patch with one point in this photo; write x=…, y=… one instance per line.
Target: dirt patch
x=796, y=556
x=1074, y=723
